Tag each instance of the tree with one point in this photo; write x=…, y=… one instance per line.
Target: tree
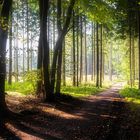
x=97, y=55
x=10, y=51
x=43, y=50
x=49, y=74
x=138, y=24
x=73, y=52
x=101, y=56
x=6, y=6
x=81, y=49
x=58, y=46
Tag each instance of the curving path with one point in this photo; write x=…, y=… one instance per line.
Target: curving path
x=100, y=117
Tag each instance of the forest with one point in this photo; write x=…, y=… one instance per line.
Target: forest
x=69, y=70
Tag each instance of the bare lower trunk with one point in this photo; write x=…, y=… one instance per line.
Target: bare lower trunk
x=59, y=72
x=3, y=39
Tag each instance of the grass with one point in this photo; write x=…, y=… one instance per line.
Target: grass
x=81, y=91
x=27, y=88
x=22, y=87
x=132, y=96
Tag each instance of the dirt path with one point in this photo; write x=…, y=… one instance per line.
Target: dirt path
x=98, y=117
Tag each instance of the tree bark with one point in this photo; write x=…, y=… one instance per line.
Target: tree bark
x=85, y=52
x=97, y=55
x=139, y=44
x=43, y=58
x=101, y=58
x=3, y=38
x=92, y=45
x=73, y=52
x=28, y=49
x=10, y=51
x=81, y=50
x=77, y=39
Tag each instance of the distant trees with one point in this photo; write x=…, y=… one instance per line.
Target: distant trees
x=75, y=41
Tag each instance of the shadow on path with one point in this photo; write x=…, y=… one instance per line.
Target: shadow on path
x=94, y=118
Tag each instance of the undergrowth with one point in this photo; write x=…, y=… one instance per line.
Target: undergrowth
x=22, y=87
x=27, y=88
x=132, y=96
x=81, y=91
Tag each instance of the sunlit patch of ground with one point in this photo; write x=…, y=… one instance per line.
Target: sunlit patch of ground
x=21, y=134
x=99, y=117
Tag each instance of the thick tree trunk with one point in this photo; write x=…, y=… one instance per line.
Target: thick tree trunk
x=139, y=43
x=39, y=67
x=43, y=58
x=3, y=38
x=59, y=72
x=59, y=61
x=64, y=65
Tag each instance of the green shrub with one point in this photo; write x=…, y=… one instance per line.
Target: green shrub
x=21, y=87
x=130, y=92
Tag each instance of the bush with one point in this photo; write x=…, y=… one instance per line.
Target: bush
x=21, y=87
x=130, y=92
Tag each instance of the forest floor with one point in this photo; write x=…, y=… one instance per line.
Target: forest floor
x=105, y=116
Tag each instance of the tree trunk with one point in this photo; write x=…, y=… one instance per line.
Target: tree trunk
x=95, y=62
x=101, y=58
x=59, y=61
x=28, y=51
x=59, y=42
x=73, y=53
x=17, y=47
x=130, y=54
x=97, y=55
x=92, y=45
x=3, y=38
x=81, y=50
x=138, y=18
x=133, y=59
x=85, y=52
x=64, y=65
x=10, y=52
x=43, y=58
x=110, y=62
x=77, y=39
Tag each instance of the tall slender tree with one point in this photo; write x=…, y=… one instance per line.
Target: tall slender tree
x=10, y=51
x=59, y=42
x=97, y=55
x=101, y=56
